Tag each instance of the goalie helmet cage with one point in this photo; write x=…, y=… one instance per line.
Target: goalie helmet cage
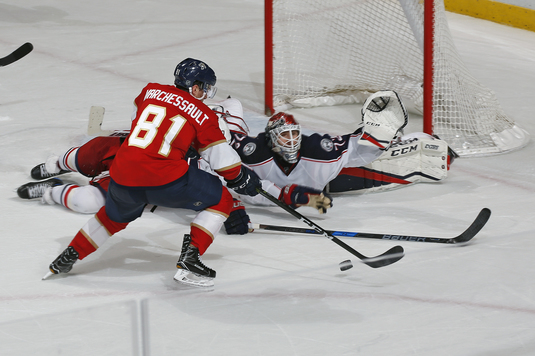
x=330, y=52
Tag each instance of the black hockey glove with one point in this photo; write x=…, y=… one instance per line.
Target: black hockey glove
x=297, y=195
x=192, y=153
x=245, y=183
x=238, y=222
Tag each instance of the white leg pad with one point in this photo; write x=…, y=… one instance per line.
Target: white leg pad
x=413, y=160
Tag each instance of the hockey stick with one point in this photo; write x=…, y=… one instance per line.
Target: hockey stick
x=96, y=116
x=16, y=54
x=94, y=125
x=385, y=259
x=466, y=236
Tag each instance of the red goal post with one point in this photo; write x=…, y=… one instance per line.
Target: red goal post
x=332, y=52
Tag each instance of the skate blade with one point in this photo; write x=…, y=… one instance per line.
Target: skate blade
x=47, y=275
x=193, y=279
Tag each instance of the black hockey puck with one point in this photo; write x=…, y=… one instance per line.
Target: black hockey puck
x=345, y=265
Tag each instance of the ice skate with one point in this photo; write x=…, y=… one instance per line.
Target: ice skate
x=40, y=172
x=191, y=269
x=64, y=262
x=34, y=190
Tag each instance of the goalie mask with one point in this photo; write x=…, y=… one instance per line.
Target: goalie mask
x=283, y=133
x=192, y=72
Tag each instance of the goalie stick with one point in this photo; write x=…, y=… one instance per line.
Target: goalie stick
x=385, y=259
x=94, y=125
x=466, y=236
x=16, y=54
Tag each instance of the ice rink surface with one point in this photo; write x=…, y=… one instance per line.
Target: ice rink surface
x=275, y=293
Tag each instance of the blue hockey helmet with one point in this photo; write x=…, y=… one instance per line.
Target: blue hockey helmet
x=192, y=72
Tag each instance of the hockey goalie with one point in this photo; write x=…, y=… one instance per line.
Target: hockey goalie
x=375, y=157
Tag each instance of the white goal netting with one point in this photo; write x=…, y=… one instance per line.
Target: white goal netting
x=328, y=52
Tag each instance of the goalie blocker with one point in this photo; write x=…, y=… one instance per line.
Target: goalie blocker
x=415, y=158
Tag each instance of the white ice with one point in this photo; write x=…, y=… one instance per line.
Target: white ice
x=275, y=293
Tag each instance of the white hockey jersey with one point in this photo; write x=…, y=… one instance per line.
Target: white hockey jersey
x=321, y=159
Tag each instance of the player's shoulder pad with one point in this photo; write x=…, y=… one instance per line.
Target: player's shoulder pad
x=251, y=149
x=323, y=147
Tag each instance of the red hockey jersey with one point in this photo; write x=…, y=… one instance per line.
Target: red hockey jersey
x=167, y=121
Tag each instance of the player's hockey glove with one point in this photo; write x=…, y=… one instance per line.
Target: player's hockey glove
x=297, y=195
x=238, y=222
x=192, y=153
x=245, y=183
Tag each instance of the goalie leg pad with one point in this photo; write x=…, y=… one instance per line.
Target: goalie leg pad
x=406, y=162
x=415, y=160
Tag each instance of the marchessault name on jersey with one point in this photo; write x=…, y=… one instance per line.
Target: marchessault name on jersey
x=178, y=101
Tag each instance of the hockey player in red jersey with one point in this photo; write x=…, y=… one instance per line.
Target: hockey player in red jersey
x=149, y=168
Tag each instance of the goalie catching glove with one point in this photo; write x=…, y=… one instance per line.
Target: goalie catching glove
x=238, y=222
x=383, y=117
x=297, y=195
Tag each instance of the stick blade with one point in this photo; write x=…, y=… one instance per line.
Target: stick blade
x=22, y=51
x=94, y=125
x=393, y=255
x=16, y=54
x=477, y=225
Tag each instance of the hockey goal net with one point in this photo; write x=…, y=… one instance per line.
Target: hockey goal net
x=329, y=52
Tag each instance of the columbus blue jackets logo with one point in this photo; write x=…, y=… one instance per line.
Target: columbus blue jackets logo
x=326, y=144
x=249, y=148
